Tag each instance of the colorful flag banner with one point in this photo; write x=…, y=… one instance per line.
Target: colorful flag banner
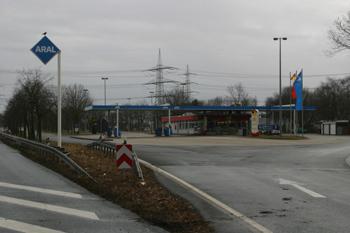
x=298, y=87
x=292, y=80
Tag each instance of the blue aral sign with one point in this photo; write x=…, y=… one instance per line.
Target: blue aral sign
x=45, y=50
x=266, y=127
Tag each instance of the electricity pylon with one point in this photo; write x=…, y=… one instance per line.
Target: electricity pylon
x=188, y=82
x=160, y=80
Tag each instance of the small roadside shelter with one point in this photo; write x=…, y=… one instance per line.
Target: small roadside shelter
x=341, y=127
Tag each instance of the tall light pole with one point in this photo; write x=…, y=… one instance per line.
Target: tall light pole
x=280, y=121
x=129, y=115
x=151, y=92
x=104, y=79
x=85, y=113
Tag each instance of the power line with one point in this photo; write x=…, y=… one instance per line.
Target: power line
x=202, y=73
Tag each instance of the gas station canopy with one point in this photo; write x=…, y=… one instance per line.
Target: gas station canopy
x=193, y=108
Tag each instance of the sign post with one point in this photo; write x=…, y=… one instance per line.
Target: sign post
x=59, y=104
x=45, y=50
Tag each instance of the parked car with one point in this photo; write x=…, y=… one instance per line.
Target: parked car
x=275, y=132
x=300, y=130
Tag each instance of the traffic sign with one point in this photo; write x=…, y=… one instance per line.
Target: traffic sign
x=45, y=50
x=267, y=127
x=124, y=156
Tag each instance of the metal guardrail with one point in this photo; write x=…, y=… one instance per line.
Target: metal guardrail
x=107, y=148
x=110, y=149
x=48, y=151
x=137, y=168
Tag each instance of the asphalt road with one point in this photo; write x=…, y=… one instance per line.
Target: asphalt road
x=289, y=188
x=36, y=199
x=285, y=186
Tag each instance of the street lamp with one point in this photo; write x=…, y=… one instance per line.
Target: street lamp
x=104, y=79
x=86, y=113
x=129, y=114
x=280, y=121
x=151, y=92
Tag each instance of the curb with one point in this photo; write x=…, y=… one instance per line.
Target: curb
x=91, y=139
x=212, y=201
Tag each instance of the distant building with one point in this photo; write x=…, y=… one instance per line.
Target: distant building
x=341, y=127
x=208, y=123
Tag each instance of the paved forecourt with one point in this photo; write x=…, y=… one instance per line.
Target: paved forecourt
x=136, y=138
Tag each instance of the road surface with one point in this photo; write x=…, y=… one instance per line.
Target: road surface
x=36, y=199
x=282, y=185
x=299, y=186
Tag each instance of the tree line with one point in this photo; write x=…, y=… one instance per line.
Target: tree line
x=33, y=105
x=330, y=98
x=32, y=108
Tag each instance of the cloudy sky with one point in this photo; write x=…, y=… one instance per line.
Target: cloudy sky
x=223, y=42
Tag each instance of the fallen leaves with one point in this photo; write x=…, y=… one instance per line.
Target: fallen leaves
x=147, y=199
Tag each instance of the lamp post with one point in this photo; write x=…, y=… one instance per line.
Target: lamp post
x=129, y=115
x=280, y=120
x=151, y=92
x=104, y=79
x=85, y=113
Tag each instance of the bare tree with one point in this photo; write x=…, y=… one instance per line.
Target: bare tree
x=177, y=96
x=141, y=118
x=217, y=101
x=74, y=100
x=331, y=99
x=238, y=95
x=308, y=100
x=339, y=36
x=15, y=116
x=34, y=85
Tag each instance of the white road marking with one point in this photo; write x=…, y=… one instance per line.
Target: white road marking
x=24, y=227
x=58, y=209
x=40, y=190
x=216, y=203
x=297, y=185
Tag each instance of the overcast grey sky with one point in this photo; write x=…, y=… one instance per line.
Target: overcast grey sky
x=223, y=41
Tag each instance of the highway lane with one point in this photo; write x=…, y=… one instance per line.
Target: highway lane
x=270, y=184
x=36, y=199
